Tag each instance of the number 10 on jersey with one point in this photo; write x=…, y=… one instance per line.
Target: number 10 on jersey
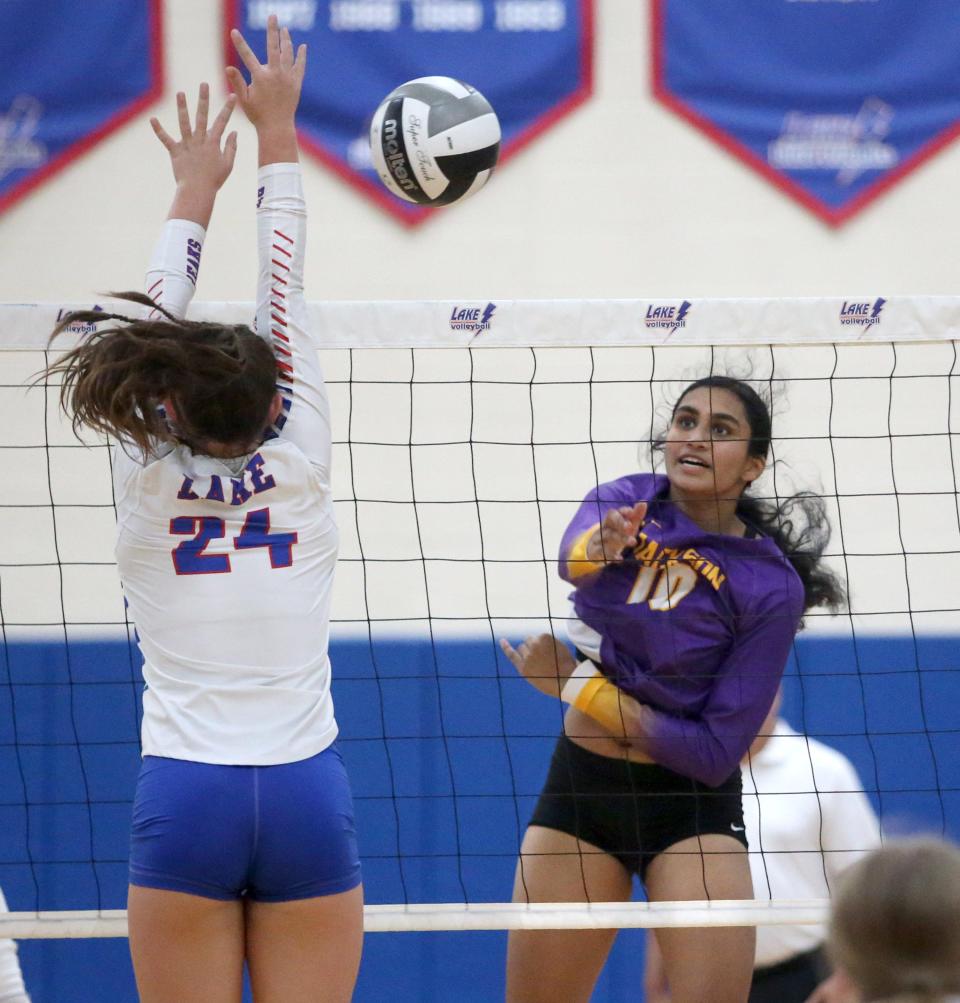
x=662, y=586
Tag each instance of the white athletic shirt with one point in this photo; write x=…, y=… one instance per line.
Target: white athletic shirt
x=800, y=840
x=228, y=566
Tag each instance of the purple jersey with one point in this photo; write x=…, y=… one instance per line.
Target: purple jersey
x=695, y=625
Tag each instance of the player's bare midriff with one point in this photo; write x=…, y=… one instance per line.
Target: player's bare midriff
x=590, y=735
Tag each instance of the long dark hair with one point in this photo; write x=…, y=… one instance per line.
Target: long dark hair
x=798, y=524
x=220, y=378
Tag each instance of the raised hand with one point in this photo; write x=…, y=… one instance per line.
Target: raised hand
x=616, y=532
x=271, y=97
x=200, y=165
x=543, y=661
x=196, y=157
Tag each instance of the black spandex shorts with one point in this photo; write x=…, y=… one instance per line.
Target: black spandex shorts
x=633, y=811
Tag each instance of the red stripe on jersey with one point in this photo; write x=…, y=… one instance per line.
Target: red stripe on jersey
x=277, y=308
x=155, y=314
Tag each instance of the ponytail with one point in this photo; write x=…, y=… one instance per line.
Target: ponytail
x=221, y=379
x=799, y=527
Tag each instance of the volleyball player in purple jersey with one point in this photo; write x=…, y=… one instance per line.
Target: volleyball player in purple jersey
x=243, y=847
x=688, y=593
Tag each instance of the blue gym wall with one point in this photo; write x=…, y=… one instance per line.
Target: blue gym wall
x=69, y=758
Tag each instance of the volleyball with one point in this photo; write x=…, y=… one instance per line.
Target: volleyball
x=434, y=140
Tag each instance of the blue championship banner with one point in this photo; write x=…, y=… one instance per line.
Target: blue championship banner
x=70, y=74
x=832, y=100
x=531, y=59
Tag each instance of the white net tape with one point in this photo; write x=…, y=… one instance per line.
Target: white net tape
x=572, y=323
x=457, y=916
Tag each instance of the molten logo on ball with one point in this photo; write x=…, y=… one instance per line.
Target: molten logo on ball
x=434, y=141
x=395, y=157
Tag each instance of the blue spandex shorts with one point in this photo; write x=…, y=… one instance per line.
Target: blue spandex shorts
x=269, y=833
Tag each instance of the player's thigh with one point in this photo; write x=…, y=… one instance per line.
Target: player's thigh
x=555, y=866
x=552, y=965
x=714, y=963
x=185, y=947
x=306, y=950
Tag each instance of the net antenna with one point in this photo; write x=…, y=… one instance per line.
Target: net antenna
x=465, y=436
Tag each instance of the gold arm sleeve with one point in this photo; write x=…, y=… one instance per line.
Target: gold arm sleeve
x=605, y=703
x=577, y=562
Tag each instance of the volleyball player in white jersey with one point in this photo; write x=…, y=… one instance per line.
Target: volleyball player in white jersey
x=243, y=844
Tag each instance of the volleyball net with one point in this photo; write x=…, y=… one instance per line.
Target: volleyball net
x=465, y=436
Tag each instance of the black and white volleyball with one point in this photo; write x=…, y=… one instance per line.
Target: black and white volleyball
x=434, y=140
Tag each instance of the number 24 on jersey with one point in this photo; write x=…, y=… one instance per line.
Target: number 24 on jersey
x=189, y=557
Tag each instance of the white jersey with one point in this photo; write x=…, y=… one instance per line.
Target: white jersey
x=228, y=566
x=807, y=819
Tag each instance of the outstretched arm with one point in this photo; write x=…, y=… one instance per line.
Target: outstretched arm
x=270, y=101
x=200, y=167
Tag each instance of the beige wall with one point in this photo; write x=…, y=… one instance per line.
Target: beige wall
x=622, y=199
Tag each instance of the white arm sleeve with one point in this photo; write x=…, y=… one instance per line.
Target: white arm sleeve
x=170, y=283
x=174, y=266
x=11, y=980
x=282, y=314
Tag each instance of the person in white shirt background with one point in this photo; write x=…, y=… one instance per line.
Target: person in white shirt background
x=807, y=820
x=243, y=846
